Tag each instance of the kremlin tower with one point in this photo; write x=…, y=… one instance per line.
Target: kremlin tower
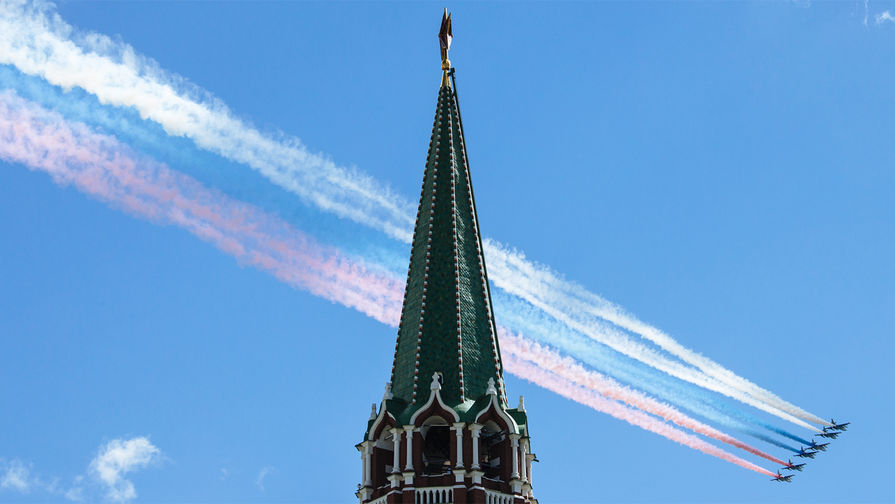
x=444, y=432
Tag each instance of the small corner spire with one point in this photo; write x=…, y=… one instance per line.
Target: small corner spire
x=445, y=36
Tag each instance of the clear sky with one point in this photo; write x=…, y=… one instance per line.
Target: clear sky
x=721, y=170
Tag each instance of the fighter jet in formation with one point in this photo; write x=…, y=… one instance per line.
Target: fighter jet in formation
x=818, y=447
x=839, y=427
x=793, y=467
x=805, y=454
x=781, y=478
x=831, y=431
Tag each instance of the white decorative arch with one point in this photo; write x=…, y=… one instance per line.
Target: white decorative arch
x=434, y=397
x=494, y=403
x=383, y=414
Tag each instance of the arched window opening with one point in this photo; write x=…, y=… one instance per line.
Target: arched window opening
x=436, y=446
x=493, y=445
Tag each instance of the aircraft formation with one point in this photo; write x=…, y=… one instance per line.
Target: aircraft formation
x=830, y=432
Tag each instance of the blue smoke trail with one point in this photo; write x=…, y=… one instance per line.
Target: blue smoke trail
x=520, y=316
x=786, y=434
x=181, y=153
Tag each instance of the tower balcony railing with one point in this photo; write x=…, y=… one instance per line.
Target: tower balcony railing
x=492, y=497
x=435, y=495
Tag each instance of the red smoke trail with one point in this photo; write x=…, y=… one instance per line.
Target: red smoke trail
x=567, y=368
x=101, y=166
x=566, y=388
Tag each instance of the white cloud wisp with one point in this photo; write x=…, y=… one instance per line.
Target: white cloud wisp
x=16, y=476
x=119, y=457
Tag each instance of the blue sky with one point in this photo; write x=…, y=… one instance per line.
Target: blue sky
x=719, y=170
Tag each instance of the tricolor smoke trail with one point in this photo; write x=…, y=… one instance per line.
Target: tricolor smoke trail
x=568, y=389
x=134, y=131
x=519, y=348
x=523, y=318
x=542, y=287
x=107, y=170
x=38, y=42
x=619, y=342
x=103, y=168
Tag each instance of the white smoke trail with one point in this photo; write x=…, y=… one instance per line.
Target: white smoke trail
x=574, y=305
x=618, y=342
x=100, y=166
x=567, y=388
x=38, y=42
x=515, y=346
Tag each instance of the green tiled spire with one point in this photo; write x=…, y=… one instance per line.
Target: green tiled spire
x=447, y=323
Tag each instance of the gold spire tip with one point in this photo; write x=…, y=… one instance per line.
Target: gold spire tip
x=444, y=37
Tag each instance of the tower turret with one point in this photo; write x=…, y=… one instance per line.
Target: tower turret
x=443, y=432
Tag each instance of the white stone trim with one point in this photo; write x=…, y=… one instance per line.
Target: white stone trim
x=492, y=497
x=408, y=465
x=434, y=395
x=434, y=495
x=530, y=457
x=514, y=438
x=375, y=425
x=475, y=429
x=379, y=500
x=514, y=428
x=458, y=427
x=368, y=480
x=396, y=455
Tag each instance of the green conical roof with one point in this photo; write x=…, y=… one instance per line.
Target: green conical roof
x=447, y=323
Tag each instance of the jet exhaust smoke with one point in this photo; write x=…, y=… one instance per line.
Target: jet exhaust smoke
x=107, y=170
x=38, y=42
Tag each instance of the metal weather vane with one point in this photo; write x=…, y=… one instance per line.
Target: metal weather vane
x=444, y=37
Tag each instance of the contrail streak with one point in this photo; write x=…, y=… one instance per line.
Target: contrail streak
x=624, y=345
x=124, y=123
x=102, y=167
x=38, y=42
x=567, y=368
x=522, y=317
x=541, y=286
x=566, y=388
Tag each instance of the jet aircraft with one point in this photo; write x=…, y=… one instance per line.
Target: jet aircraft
x=818, y=447
x=794, y=467
x=806, y=454
x=781, y=478
x=829, y=434
x=839, y=427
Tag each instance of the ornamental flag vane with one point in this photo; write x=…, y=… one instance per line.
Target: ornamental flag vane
x=445, y=36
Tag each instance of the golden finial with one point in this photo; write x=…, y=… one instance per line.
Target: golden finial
x=444, y=37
